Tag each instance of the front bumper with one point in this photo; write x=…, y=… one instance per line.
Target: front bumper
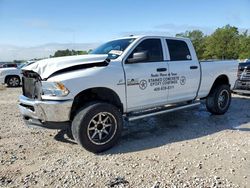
x=242, y=87
x=2, y=79
x=242, y=91
x=47, y=114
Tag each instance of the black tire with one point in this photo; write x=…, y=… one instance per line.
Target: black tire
x=219, y=100
x=13, y=81
x=87, y=125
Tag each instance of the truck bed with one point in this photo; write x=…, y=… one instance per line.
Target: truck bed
x=213, y=69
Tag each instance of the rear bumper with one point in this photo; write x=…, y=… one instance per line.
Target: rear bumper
x=46, y=114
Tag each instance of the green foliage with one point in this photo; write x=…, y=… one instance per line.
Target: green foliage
x=224, y=43
x=60, y=53
x=18, y=61
x=244, y=49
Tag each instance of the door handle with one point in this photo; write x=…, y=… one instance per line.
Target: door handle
x=161, y=69
x=193, y=67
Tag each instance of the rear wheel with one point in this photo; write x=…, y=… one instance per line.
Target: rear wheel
x=219, y=100
x=97, y=126
x=13, y=81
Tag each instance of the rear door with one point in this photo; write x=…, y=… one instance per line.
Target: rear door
x=144, y=78
x=184, y=71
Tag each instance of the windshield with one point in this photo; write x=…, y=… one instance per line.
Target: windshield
x=21, y=65
x=113, y=48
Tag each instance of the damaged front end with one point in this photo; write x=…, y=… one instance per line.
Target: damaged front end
x=31, y=84
x=47, y=102
x=38, y=112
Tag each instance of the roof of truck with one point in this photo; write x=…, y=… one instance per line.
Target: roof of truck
x=142, y=36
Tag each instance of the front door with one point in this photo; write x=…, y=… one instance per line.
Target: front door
x=145, y=71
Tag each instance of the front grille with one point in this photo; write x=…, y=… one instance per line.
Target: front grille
x=28, y=87
x=31, y=88
x=244, y=73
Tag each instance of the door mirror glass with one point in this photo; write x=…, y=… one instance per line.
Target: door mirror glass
x=138, y=57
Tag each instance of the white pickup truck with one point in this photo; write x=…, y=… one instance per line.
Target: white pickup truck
x=128, y=78
x=12, y=75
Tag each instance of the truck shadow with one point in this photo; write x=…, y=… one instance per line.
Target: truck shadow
x=178, y=126
x=65, y=136
x=182, y=126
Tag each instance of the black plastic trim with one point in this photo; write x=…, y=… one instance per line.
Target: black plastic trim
x=34, y=123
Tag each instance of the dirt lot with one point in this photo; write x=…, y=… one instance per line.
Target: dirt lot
x=189, y=148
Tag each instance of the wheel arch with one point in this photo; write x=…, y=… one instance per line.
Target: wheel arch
x=220, y=80
x=95, y=94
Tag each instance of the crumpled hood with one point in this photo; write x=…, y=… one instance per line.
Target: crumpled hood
x=47, y=67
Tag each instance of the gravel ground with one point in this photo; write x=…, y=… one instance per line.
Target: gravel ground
x=188, y=148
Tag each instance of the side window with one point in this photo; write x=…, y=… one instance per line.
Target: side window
x=152, y=49
x=178, y=50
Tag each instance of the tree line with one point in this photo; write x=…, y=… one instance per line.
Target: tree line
x=67, y=52
x=224, y=43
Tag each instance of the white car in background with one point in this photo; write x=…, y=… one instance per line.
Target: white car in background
x=12, y=75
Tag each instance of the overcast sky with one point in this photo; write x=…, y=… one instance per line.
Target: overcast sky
x=32, y=28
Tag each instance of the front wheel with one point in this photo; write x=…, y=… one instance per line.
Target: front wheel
x=13, y=81
x=219, y=100
x=97, y=126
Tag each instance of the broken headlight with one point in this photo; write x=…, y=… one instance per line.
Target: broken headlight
x=54, y=89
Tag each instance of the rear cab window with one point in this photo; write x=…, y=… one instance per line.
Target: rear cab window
x=178, y=50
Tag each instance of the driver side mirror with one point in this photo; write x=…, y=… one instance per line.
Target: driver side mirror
x=138, y=57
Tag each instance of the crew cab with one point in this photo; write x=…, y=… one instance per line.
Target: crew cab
x=11, y=75
x=125, y=79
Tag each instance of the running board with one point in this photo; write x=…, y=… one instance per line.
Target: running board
x=162, y=110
